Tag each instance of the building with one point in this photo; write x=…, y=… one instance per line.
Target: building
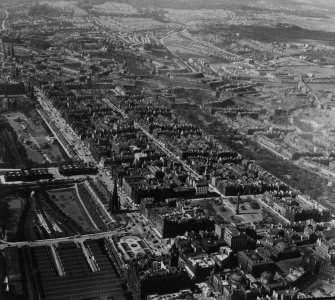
x=235, y=240
x=27, y=175
x=201, y=187
x=71, y=271
x=132, y=247
x=224, y=257
x=199, y=266
x=183, y=294
x=325, y=248
x=77, y=169
x=327, y=272
x=219, y=230
x=13, y=288
x=12, y=89
x=286, y=294
x=256, y=262
x=295, y=214
x=152, y=275
x=171, y=222
x=284, y=250
x=235, y=285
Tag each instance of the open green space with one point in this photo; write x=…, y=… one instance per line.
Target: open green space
x=35, y=144
x=68, y=201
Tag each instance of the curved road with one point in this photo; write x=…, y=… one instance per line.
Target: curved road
x=3, y=25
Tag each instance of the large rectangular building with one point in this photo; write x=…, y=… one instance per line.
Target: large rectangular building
x=255, y=262
x=149, y=275
x=235, y=240
x=72, y=271
x=171, y=222
x=27, y=175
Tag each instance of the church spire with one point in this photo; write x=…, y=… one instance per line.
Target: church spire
x=114, y=204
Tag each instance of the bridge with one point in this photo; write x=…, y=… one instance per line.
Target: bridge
x=55, y=241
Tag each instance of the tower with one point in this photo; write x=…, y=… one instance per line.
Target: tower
x=238, y=205
x=114, y=204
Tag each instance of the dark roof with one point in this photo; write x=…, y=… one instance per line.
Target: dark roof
x=79, y=280
x=12, y=89
x=329, y=234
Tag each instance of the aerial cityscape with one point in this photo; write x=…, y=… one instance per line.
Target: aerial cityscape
x=167, y=149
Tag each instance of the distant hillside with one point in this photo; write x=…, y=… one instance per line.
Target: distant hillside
x=6, y=3
x=200, y=4
x=324, y=5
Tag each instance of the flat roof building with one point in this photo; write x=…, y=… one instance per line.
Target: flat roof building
x=86, y=272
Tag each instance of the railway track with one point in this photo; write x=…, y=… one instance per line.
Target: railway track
x=10, y=141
